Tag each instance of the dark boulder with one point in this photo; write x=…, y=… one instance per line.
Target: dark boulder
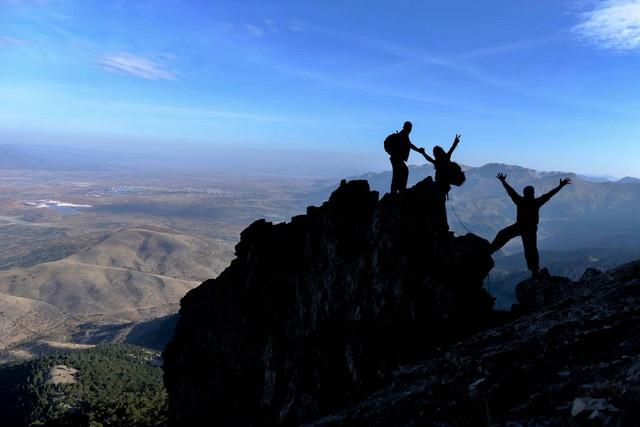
x=543, y=291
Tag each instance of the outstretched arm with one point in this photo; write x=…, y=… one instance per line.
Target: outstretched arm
x=510, y=191
x=421, y=151
x=546, y=197
x=456, y=141
x=426, y=156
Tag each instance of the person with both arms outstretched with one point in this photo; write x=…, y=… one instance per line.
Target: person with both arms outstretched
x=526, y=225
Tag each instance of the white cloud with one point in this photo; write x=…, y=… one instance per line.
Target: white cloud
x=136, y=66
x=254, y=30
x=612, y=24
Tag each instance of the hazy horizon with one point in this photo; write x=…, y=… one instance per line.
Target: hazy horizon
x=200, y=159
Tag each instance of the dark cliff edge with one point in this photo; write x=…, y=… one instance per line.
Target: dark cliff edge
x=573, y=360
x=315, y=314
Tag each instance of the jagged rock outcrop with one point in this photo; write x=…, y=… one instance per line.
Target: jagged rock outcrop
x=318, y=312
x=573, y=361
x=537, y=293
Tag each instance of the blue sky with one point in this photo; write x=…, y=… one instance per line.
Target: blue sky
x=549, y=84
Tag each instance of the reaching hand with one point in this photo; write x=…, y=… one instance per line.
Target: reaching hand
x=421, y=150
x=565, y=181
x=502, y=177
x=457, y=139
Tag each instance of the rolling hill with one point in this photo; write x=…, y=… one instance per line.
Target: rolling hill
x=101, y=293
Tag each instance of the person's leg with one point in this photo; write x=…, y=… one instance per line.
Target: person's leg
x=530, y=242
x=504, y=236
x=395, y=179
x=404, y=175
x=442, y=200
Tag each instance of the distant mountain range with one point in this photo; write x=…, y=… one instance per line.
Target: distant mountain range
x=586, y=214
x=629, y=180
x=601, y=178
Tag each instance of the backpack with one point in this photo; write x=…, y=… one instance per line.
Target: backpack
x=391, y=144
x=454, y=174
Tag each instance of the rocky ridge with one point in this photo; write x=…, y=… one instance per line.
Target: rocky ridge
x=316, y=313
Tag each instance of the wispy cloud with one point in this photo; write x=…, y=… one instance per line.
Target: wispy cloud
x=254, y=30
x=612, y=24
x=414, y=55
x=11, y=42
x=269, y=25
x=137, y=66
x=506, y=48
x=359, y=85
x=461, y=64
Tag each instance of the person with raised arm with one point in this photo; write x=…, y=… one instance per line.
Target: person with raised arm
x=526, y=225
x=445, y=171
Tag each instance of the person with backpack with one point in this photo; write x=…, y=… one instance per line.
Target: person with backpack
x=398, y=146
x=447, y=173
x=526, y=225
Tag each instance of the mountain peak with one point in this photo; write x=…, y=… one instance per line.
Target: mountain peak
x=629, y=180
x=315, y=313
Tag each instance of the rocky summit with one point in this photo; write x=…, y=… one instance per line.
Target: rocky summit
x=368, y=312
x=316, y=314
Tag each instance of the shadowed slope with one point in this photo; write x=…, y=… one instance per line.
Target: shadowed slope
x=573, y=361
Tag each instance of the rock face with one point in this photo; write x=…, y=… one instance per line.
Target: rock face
x=317, y=313
x=574, y=361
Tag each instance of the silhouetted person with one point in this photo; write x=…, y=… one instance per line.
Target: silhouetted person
x=526, y=225
x=398, y=145
x=441, y=162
